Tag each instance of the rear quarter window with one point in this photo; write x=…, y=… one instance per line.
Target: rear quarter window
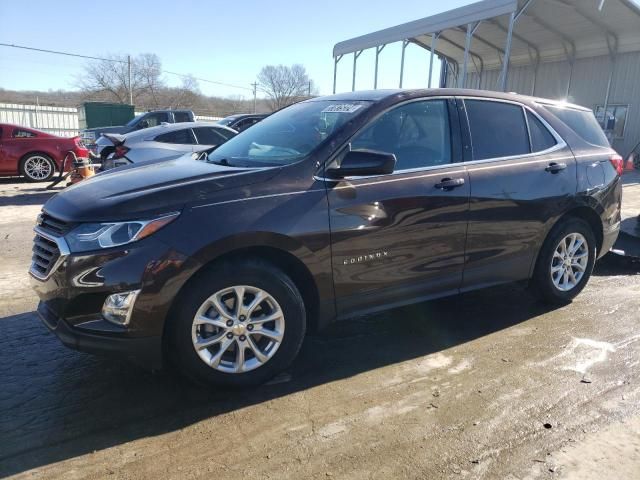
x=20, y=133
x=582, y=122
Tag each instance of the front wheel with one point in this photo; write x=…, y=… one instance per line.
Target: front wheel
x=238, y=324
x=565, y=262
x=37, y=167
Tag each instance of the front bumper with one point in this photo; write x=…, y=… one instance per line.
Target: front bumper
x=101, y=337
x=73, y=293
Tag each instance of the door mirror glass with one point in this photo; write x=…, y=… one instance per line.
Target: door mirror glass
x=363, y=162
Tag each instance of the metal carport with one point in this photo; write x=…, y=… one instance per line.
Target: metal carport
x=581, y=50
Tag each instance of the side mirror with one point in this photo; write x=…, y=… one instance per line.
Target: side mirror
x=143, y=124
x=363, y=162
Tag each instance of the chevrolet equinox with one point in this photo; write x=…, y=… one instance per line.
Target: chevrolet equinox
x=330, y=208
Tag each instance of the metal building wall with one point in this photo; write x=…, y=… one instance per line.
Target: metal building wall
x=588, y=86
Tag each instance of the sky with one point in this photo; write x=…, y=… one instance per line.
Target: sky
x=217, y=40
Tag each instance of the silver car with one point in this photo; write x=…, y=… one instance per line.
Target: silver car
x=164, y=142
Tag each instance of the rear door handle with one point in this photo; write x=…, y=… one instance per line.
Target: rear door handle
x=554, y=167
x=450, y=183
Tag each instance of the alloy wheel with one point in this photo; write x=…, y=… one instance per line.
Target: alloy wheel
x=569, y=261
x=238, y=329
x=37, y=167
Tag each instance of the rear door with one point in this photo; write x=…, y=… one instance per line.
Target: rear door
x=522, y=176
x=400, y=237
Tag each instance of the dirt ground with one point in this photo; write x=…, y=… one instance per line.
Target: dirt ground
x=486, y=385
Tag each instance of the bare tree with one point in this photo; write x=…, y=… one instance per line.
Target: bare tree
x=111, y=77
x=285, y=85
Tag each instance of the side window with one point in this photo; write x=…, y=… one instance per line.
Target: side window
x=180, y=117
x=208, y=136
x=155, y=119
x=418, y=133
x=244, y=124
x=541, y=138
x=183, y=137
x=498, y=129
x=19, y=133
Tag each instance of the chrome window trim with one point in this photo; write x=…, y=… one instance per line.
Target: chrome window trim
x=560, y=143
x=62, y=247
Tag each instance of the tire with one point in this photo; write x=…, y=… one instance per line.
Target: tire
x=223, y=282
x=37, y=167
x=549, y=282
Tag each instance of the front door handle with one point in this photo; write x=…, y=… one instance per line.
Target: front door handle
x=450, y=183
x=554, y=167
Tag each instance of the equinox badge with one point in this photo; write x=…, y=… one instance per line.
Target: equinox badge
x=365, y=258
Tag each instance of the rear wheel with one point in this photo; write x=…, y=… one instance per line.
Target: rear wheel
x=238, y=325
x=37, y=167
x=565, y=261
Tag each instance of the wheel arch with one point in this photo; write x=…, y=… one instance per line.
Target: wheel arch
x=279, y=251
x=584, y=212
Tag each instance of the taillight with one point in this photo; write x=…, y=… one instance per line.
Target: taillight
x=618, y=163
x=120, y=151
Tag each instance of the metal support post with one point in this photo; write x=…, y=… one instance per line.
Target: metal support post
x=335, y=70
x=353, y=80
x=404, y=47
x=375, y=78
x=434, y=42
x=507, y=53
x=467, y=46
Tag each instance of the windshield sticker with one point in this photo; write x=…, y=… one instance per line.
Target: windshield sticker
x=342, y=108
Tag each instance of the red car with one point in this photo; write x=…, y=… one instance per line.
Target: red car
x=35, y=154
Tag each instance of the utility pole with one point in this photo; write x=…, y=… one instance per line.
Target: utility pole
x=130, y=90
x=309, y=95
x=255, y=90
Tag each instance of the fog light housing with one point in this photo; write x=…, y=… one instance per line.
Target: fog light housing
x=117, y=308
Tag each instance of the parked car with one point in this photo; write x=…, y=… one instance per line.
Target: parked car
x=330, y=208
x=242, y=121
x=161, y=143
x=142, y=121
x=34, y=154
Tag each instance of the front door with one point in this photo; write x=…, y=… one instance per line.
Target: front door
x=401, y=237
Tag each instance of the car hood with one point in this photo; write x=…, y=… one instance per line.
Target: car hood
x=140, y=191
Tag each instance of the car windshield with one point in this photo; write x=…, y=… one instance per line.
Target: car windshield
x=134, y=120
x=288, y=135
x=226, y=121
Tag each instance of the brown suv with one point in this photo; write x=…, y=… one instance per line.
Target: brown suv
x=330, y=208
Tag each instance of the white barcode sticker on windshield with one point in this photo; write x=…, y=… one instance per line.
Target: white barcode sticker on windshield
x=342, y=108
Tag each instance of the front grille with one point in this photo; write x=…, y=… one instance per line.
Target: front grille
x=52, y=225
x=45, y=255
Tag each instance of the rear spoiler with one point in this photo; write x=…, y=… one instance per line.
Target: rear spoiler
x=116, y=138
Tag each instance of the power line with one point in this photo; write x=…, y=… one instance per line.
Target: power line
x=61, y=53
x=68, y=54
x=206, y=80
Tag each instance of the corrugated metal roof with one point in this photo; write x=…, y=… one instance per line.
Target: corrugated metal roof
x=552, y=29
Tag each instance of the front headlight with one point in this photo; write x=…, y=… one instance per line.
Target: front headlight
x=94, y=236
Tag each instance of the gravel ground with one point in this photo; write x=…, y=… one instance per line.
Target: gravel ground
x=490, y=384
